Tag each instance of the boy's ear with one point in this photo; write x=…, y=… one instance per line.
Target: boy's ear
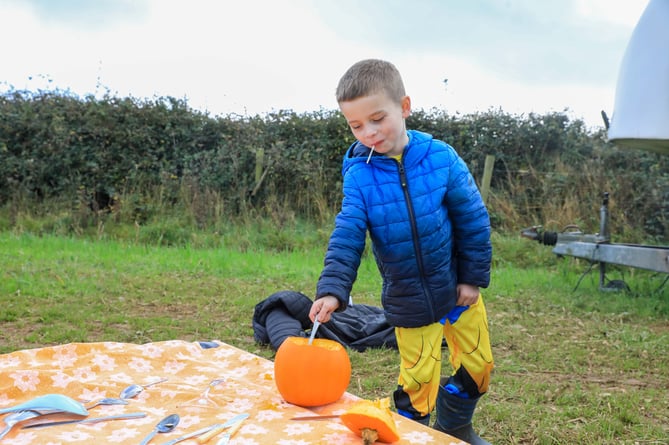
x=406, y=106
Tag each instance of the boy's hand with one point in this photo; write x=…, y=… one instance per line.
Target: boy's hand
x=468, y=295
x=323, y=307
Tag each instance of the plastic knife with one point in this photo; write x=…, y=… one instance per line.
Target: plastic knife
x=225, y=438
x=215, y=431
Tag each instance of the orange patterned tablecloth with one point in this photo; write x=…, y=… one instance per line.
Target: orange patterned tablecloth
x=88, y=371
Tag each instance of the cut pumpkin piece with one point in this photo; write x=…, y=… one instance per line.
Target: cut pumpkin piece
x=372, y=420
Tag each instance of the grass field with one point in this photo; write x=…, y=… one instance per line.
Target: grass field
x=573, y=366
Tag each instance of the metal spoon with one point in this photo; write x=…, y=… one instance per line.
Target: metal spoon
x=205, y=394
x=317, y=323
x=88, y=420
x=132, y=390
x=164, y=426
x=108, y=401
x=16, y=417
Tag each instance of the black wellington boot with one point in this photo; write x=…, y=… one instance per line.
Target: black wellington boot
x=454, y=417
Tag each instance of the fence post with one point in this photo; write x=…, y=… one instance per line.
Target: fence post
x=259, y=173
x=487, y=177
x=260, y=160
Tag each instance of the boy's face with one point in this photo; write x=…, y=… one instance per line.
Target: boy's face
x=378, y=121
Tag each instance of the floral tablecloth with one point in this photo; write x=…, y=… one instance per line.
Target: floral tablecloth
x=89, y=371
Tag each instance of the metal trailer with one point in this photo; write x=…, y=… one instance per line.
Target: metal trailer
x=598, y=248
x=640, y=120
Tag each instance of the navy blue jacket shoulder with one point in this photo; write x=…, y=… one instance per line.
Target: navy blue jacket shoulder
x=429, y=228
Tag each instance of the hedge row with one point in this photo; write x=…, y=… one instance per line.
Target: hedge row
x=59, y=147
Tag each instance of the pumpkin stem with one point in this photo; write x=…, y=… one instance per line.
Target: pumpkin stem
x=369, y=436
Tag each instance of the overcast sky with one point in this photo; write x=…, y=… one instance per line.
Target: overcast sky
x=255, y=56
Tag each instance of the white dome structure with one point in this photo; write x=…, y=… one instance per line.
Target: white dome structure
x=641, y=110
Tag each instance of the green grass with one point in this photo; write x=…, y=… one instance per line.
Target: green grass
x=573, y=366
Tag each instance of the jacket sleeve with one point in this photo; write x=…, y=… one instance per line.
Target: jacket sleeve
x=347, y=242
x=471, y=227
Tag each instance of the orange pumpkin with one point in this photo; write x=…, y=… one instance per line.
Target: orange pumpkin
x=311, y=374
x=372, y=420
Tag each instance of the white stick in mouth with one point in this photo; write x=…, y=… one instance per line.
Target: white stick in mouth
x=370, y=154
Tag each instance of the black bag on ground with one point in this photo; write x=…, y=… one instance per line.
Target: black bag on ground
x=286, y=314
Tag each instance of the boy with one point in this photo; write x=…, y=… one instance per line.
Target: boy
x=430, y=235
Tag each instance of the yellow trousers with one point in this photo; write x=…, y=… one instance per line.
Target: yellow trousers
x=470, y=354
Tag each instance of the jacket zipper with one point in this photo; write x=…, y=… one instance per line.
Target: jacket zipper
x=414, y=235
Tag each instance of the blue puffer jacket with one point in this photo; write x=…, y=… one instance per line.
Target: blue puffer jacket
x=429, y=229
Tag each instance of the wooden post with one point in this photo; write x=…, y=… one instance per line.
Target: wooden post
x=260, y=174
x=260, y=160
x=487, y=176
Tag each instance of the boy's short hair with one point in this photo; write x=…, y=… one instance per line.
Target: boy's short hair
x=368, y=77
